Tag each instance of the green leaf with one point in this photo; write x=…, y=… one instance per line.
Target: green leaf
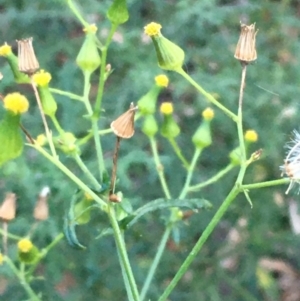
x=11, y=145
x=70, y=224
x=160, y=204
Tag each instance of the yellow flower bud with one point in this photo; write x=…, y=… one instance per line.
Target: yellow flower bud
x=208, y=114
x=25, y=245
x=251, y=136
x=162, y=80
x=27, y=251
x=42, y=78
x=166, y=108
x=5, y=50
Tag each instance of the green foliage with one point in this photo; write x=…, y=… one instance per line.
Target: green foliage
x=208, y=32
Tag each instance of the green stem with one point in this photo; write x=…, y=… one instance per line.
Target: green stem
x=87, y=172
x=213, y=179
x=48, y=132
x=159, y=168
x=185, y=188
x=94, y=122
x=157, y=258
x=68, y=94
x=265, y=184
x=56, y=124
x=208, y=96
x=240, y=128
x=125, y=278
x=75, y=11
x=123, y=253
x=10, y=235
x=177, y=151
x=206, y=233
x=66, y=171
x=97, y=107
x=31, y=294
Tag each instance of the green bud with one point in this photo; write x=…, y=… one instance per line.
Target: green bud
x=67, y=143
x=48, y=102
x=20, y=77
x=118, y=13
x=169, y=128
x=202, y=137
x=147, y=103
x=11, y=143
x=150, y=127
x=88, y=58
x=169, y=55
x=27, y=252
x=236, y=156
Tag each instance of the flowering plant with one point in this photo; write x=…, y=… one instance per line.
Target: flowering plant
x=100, y=189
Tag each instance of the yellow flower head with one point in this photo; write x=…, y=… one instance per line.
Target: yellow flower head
x=251, y=136
x=16, y=102
x=1, y=258
x=91, y=28
x=41, y=140
x=152, y=29
x=166, y=108
x=208, y=114
x=5, y=50
x=42, y=78
x=161, y=80
x=25, y=245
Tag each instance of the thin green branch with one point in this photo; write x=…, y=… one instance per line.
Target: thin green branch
x=189, y=175
x=87, y=172
x=94, y=122
x=123, y=253
x=67, y=94
x=177, y=151
x=213, y=179
x=159, y=168
x=156, y=260
x=66, y=171
x=204, y=236
x=207, y=95
x=265, y=184
x=76, y=12
x=97, y=107
x=57, y=125
x=31, y=294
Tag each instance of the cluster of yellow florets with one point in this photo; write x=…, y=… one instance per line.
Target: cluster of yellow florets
x=152, y=29
x=166, y=108
x=208, y=114
x=5, y=50
x=16, y=103
x=162, y=80
x=25, y=245
x=42, y=78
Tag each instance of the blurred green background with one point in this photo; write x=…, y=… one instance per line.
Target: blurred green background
x=261, y=251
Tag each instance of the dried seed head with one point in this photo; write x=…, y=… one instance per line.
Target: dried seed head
x=8, y=207
x=245, y=49
x=41, y=211
x=123, y=126
x=291, y=167
x=27, y=60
